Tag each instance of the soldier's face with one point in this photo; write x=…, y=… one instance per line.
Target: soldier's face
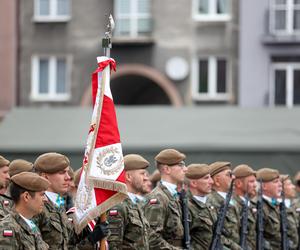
x=289, y=189
x=273, y=188
x=59, y=182
x=4, y=176
x=250, y=185
x=204, y=184
x=177, y=172
x=223, y=180
x=36, y=204
x=138, y=180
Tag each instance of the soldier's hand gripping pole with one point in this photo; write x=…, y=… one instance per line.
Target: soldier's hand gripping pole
x=185, y=218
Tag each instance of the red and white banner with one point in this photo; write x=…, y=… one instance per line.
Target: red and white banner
x=102, y=180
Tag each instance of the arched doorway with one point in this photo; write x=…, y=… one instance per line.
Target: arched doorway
x=135, y=84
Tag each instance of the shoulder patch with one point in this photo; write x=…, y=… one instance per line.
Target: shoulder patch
x=7, y=233
x=113, y=212
x=153, y=201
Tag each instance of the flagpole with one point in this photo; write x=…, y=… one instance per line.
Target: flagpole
x=107, y=45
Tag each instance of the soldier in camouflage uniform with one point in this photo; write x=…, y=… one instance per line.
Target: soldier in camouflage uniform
x=201, y=216
x=271, y=190
x=292, y=216
x=53, y=222
x=4, y=176
x=163, y=209
x=127, y=223
x=17, y=229
x=296, y=200
x=245, y=183
x=222, y=177
x=15, y=167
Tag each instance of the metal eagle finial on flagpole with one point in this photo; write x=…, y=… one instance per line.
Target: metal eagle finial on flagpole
x=106, y=41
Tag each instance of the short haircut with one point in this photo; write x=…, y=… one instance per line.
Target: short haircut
x=16, y=191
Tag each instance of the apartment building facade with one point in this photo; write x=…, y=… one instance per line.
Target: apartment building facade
x=168, y=52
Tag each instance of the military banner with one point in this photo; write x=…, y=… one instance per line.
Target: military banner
x=102, y=181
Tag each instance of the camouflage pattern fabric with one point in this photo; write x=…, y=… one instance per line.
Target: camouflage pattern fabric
x=230, y=231
x=128, y=226
x=251, y=230
x=272, y=233
x=6, y=204
x=201, y=225
x=55, y=227
x=163, y=211
x=16, y=234
x=293, y=223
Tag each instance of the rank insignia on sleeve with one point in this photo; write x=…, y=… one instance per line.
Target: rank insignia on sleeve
x=113, y=212
x=5, y=203
x=153, y=201
x=7, y=233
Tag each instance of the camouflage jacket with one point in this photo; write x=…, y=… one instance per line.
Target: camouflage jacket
x=293, y=223
x=201, y=225
x=231, y=224
x=251, y=227
x=6, y=203
x=163, y=211
x=16, y=234
x=128, y=226
x=55, y=227
x=271, y=225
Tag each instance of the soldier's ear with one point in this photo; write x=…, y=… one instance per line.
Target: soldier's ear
x=25, y=196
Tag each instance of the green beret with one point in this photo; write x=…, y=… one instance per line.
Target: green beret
x=3, y=162
x=197, y=171
x=284, y=177
x=134, y=162
x=169, y=157
x=31, y=181
x=155, y=176
x=19, y=165
x=51, y=163
x=218, y=167
x=267, y=174
x=243, y=170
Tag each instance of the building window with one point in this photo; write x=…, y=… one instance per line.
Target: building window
x=210, y=79
x=285, y=17
x=211, y=10
x=50, y=78
x=285, y=84
x=52, y=10
x=133, y=18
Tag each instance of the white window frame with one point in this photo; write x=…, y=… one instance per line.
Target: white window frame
x=53, y=16
x=289, y=7
x=52, y=95
x=212, y=94
x=212, y=15
x=289, y=95
x=133, y=16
